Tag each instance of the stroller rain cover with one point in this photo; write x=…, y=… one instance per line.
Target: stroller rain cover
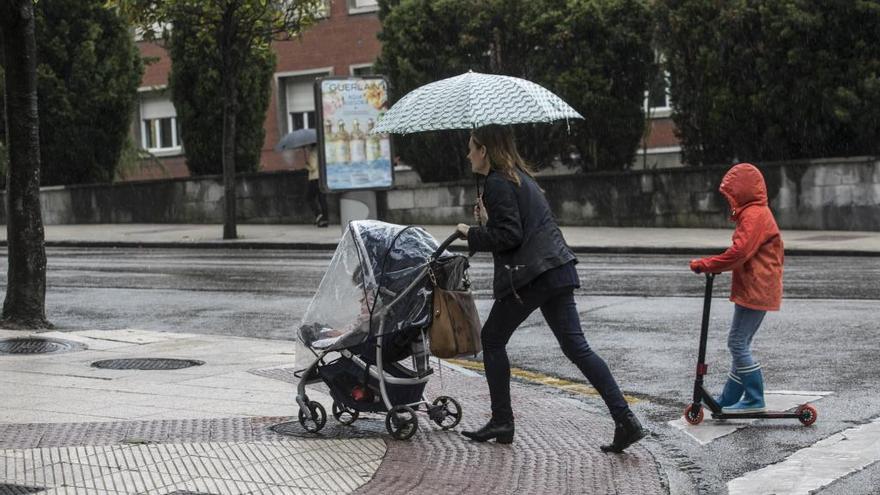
x=378, y=268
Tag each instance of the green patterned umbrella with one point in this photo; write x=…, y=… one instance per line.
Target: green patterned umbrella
x=473, y=100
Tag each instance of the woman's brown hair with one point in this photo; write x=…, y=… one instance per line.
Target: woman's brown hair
x=501, y=151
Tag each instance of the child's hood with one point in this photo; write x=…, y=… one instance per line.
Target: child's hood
x=743, y=185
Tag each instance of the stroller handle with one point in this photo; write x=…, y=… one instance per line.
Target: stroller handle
x=449, y=240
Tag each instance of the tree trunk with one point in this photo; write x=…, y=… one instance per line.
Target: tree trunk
x=228, y=159
x=230, y=100
x=25, y=304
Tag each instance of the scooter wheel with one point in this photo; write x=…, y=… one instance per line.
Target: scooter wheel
x=693, y=414
x=807, y=414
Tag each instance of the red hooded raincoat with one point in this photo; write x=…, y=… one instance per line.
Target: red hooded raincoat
x=756, y=255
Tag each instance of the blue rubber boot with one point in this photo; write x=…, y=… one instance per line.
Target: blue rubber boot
x=732, y=392
x=753, y=398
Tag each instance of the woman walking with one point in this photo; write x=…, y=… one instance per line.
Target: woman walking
x=534, y=268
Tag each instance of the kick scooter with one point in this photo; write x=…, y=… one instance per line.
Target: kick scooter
x=693, y=414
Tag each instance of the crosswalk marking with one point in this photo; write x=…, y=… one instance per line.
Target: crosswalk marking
x=710, y=429
x=815, y=466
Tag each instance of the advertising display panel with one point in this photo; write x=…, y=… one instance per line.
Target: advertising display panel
x=351, y=158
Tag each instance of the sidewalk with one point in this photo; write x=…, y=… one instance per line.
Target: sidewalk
x=581, y=239
x=228, y=426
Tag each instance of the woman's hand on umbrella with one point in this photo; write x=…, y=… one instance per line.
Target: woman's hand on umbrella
x=462, y=230
x=481, y=216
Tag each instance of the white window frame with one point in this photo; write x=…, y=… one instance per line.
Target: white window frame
x=176, y=147
x=353, y=8
x=659, y=112
x=281, y=85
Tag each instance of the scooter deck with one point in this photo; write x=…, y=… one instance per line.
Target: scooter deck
x=759, y=415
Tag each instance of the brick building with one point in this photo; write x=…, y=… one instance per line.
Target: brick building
x=342, y=43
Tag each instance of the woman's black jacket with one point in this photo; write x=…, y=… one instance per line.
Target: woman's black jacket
x=521, y=233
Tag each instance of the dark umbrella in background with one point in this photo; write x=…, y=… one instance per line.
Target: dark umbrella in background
x=297, y=139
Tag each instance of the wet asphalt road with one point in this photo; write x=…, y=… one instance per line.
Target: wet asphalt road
x=640, y=312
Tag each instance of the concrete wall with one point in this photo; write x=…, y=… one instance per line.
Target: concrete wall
x=840, y=194
x=273, y=197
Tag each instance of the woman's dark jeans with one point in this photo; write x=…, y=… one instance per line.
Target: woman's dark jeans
x=560, y=312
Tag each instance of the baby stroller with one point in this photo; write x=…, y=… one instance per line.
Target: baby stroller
x=364, y=334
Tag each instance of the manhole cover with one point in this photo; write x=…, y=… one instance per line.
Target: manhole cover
x=146, y=364
x=10, y=489
x=37, y=345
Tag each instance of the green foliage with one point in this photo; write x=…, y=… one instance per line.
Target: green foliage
x=788, y=79
x=87, y=77
x=222, y=63
x=197, y=87
x=595, y=54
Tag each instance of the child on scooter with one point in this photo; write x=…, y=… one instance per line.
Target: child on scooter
x=756, y=259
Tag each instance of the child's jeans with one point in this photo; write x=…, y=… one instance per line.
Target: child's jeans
x=745, y=324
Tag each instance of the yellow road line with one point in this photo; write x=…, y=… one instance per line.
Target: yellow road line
x=541, y=379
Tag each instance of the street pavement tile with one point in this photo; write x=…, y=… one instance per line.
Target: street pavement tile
x=92, y=343
x=130, y=481
x=74, y=490
x=132, y=336
x=209, y=485
x=37, y=416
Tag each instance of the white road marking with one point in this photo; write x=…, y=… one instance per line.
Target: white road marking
x=816, y=466
x=712, y=429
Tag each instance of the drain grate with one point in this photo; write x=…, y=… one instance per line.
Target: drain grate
x=146, y=364
x=186, y=492
x=9, y=489
x=37, y=345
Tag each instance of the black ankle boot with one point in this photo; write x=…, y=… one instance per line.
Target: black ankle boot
x=627, y=431
x=501, y=432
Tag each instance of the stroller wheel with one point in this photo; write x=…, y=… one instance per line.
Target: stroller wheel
x=446, y=412
x=693, y=416
x=401, y=422
x=314, y=419
x=343, y=414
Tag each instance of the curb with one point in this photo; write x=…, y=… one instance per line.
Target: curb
x=331, y=246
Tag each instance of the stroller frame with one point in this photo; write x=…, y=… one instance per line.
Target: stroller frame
x=400, y=420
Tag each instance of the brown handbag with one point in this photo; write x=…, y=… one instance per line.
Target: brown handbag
x=455, y=329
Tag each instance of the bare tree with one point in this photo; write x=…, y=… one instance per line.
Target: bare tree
x=25, y=304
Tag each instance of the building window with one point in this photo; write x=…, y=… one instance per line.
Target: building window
x=362, y=6
x=657, y=99
x=158, y=125
x=362, y=70
x=299, y=104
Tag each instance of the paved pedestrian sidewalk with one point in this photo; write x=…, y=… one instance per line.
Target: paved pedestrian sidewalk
x=227, y=426
x=582, y=239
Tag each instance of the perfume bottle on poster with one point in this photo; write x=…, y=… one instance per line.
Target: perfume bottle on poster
x=343, y=150
x=329, y=140
x=374, y=151
x=357, y=143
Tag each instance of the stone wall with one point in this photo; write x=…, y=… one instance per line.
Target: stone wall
x=273, y=197
x=840, y=194
x=832, y=194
